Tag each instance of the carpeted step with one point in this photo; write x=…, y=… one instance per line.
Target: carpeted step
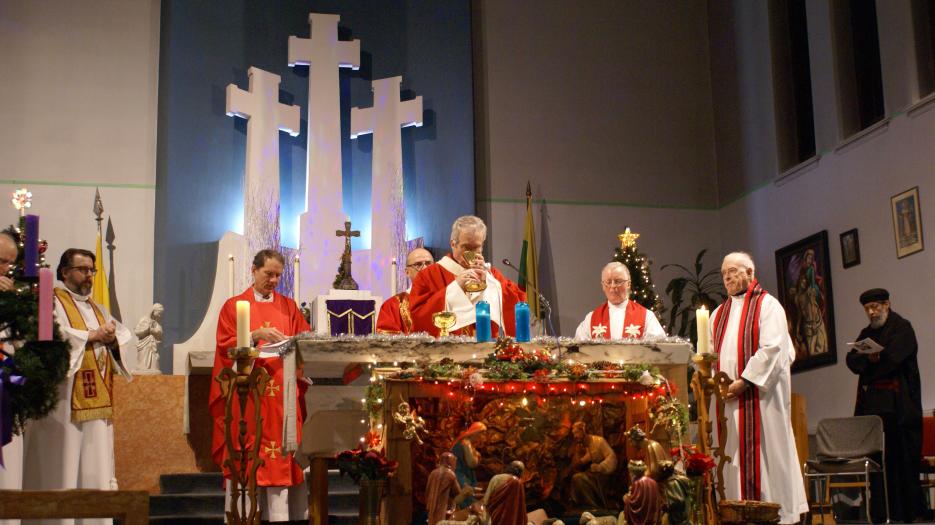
x=343, y=517
x=186, y=520
x=202, y=482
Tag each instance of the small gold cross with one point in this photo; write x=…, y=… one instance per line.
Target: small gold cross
x=271, y=450
x=272, y=388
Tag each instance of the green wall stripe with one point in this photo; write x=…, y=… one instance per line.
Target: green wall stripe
x=511, y=200
x=27, y=183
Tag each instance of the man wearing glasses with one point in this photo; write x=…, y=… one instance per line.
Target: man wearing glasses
x=73, y=447
x=619, y=317
x=394, y=317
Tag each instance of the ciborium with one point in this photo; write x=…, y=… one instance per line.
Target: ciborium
x=443, y=321
x=473, y=286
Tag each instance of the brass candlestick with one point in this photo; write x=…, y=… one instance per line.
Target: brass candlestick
x=705, y=386
x=243, y=462
x=443, y=321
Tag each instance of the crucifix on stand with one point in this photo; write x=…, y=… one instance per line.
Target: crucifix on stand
x=344, y=280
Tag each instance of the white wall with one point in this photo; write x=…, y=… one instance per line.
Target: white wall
x=78, y=111
x=849, y=187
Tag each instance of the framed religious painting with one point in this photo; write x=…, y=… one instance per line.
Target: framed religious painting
x=907, y=222
x=850, y=248
x=804, y=289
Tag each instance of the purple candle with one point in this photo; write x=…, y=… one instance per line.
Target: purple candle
x=31, y=247
x=45, y=304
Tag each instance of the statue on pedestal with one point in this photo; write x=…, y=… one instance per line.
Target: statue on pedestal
x=149, y=335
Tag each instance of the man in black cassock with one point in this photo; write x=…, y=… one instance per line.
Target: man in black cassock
x=889, y=387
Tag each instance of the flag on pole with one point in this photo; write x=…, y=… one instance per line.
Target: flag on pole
x=100, y=293
x=528, y=261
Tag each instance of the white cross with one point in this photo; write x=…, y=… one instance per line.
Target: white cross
x=324, y=54
x=388, y=215
x=265, y=118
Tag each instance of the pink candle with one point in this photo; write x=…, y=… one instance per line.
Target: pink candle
x=45, y=304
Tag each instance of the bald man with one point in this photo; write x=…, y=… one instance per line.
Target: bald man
x=8, y=253
x=394, y=317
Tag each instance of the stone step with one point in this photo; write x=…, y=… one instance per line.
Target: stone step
x=192, y=504
x=201, y=482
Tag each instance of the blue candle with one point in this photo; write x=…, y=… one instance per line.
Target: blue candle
x=482, y=321
x=31, y=247
x=522, y=322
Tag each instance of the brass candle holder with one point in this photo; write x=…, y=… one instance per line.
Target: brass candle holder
x=708, y=386
x=243, y=460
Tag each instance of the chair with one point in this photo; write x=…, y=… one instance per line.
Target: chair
x=927, y=469
x=848, y=447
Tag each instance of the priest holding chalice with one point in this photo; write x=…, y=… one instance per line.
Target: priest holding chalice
x=460, y=280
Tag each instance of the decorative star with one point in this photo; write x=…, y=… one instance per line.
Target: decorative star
x=598, y=331
x=633, y=331
x=271, y=450
x=628, y=239
x=22, y=199
x=272, y=388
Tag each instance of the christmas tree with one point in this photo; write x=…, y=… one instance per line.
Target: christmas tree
x=642, y=289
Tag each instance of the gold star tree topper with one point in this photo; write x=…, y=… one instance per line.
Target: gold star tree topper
x=628, y=239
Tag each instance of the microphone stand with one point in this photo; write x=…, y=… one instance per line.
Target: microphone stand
x=546, y=305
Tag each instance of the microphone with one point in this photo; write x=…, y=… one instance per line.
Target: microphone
x=542, y=300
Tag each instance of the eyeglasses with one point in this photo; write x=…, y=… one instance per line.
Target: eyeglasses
x=730, y=271
x=87, y=270
x=419, y=265
x=7, y=261
x=613, y=283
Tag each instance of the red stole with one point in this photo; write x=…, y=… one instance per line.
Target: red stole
x=394, y=316
x=635, y=316
x=748, y=340
x=282, y=313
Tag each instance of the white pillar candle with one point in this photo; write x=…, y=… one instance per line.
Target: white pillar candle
x=393, y=270
x=701, y=319
x=230, y=275
x=243, y=324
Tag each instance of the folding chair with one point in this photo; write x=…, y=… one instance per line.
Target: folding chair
x=848, y=447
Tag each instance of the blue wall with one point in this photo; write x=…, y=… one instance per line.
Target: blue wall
x=200, y=152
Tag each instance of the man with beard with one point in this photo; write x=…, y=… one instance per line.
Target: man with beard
x=889, y=387
x=73, y=447
x=751, y=337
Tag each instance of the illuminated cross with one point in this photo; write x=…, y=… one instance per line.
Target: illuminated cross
x=265, y=118
x=388, y=215
x=324, y=54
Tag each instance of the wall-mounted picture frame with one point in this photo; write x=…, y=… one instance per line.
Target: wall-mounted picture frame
x=907, y=222
x=850, y=248
x=804, y=277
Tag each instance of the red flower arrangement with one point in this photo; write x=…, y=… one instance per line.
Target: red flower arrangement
x=698, y=464
x=360, y=463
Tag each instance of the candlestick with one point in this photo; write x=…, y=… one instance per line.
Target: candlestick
x=45, y=303
x=243, y=324
x=295, y=278
x=230, y=275
x=701, y=320
x=31, y=247
x=393, y=269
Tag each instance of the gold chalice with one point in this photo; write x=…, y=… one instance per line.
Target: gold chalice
x=443, y=321
x=473, y=286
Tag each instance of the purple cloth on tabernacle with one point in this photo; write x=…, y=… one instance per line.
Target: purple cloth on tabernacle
x=349, y=316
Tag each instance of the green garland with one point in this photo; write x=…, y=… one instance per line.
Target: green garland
x=44, y=364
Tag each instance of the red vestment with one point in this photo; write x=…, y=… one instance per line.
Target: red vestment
x=507, y=504
x=428, y=297
x=282, y=313
x=394, y=316
x=635, y=316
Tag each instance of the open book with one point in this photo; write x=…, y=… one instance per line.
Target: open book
x=866, y=346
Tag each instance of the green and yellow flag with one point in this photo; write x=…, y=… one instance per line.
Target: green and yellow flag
x=528, y=262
